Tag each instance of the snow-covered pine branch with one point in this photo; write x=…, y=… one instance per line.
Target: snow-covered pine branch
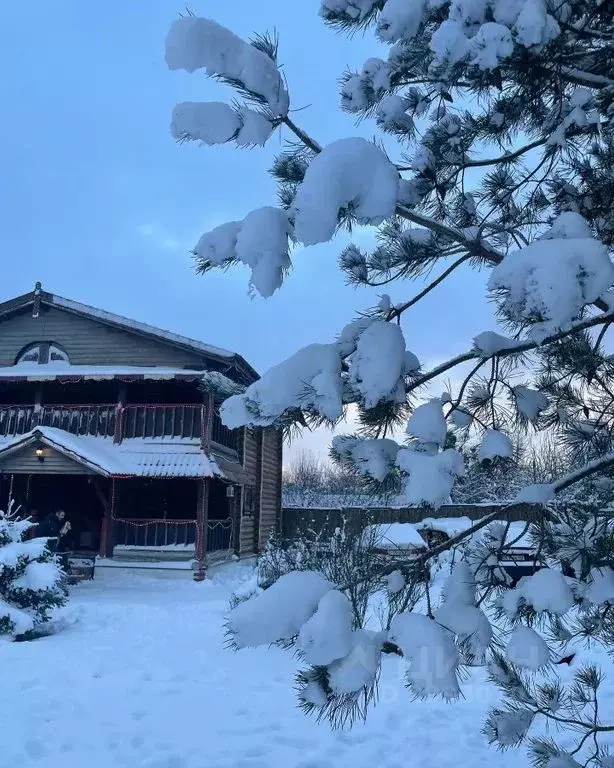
x=498, y=151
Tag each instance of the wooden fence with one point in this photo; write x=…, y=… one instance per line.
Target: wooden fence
x=296, y=520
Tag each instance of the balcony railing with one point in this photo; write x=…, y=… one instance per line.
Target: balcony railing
x=95, y=420
x=220, y=434
x=184, y=421
x=179, y=421
x=16, y=419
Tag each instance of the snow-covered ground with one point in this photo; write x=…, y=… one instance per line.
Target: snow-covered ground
x=141, y=678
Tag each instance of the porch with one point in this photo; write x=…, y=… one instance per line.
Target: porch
x=184, y=521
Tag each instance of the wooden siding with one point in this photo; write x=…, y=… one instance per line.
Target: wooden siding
x=247, y=533
x=270, y=500
x=26, y=461
x=87, y=342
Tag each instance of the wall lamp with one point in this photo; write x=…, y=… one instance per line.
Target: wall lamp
x=40, y=454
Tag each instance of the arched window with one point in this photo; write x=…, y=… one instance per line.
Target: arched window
x=42, y=352
x=57, y=354
x=30, y=354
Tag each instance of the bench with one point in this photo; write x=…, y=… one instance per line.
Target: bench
x=81, y=566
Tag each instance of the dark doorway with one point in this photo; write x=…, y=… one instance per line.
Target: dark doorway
x=157, y=499
x=220, y=520
x=220, y=505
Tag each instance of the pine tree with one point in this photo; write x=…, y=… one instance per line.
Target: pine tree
x=495, y=154
x=32, y=583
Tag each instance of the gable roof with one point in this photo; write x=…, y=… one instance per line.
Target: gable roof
x=39, y=297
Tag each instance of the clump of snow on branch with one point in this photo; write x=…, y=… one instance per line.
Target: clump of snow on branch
x=354, y=9
x=495, y=444
x=395, y=582
x=217, y=123
x=549, y=281
x=373, y=457
x=489, y=343
x=359, y=90
x=260, y=242
x=545, y=590
x=427, y=424
x=327, y=635
x=348, y=338
x=377, y=366
x=460, y=418
x=509, y=727
x=601, y=586
x=527, y=649
x=400, y=20
x=431, y=655
x=430, y=477
x=279, y=612
x=311, y=378
x=194, y=43
x=467, y=35
x=459, y=613
x=349, y=174
x=392, y=113
x=359, y=668
x=530, y=402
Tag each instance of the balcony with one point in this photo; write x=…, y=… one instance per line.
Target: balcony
x=177, y=421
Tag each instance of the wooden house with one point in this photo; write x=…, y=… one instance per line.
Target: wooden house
x=117, y=423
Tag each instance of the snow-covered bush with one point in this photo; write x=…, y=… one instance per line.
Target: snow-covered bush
x=346, y=556
x=32, y=583
x=495, y=154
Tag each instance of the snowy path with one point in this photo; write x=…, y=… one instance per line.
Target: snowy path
x=143, y=680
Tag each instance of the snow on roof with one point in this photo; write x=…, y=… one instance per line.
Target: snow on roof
x=395, y=535
x=61, y=370
x=448, y=525
x=131, y=458
x=136, y=325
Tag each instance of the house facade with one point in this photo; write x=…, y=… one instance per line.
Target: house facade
x=117, y=423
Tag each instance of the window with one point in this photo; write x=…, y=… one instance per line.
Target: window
x=56, y=354
x=30, y=355
x=42, y=352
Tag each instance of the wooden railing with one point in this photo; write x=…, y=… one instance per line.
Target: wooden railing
x=16, y=419
x=156, y=534
x=179, y=421
x=95, y=420
x=172, y=535
x=220, y=434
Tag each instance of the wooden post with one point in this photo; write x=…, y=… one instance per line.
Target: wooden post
x=38, y=405
x=119, y=413
x=107, y=530
x=206, y=422
x=258, y=499
x=202, y=517
x=280, y=456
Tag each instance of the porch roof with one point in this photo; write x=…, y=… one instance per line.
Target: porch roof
x=131, y=458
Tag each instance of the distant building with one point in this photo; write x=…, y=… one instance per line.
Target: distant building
x=117, y=423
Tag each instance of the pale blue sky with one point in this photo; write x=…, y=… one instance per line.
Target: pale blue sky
x=99, y=203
